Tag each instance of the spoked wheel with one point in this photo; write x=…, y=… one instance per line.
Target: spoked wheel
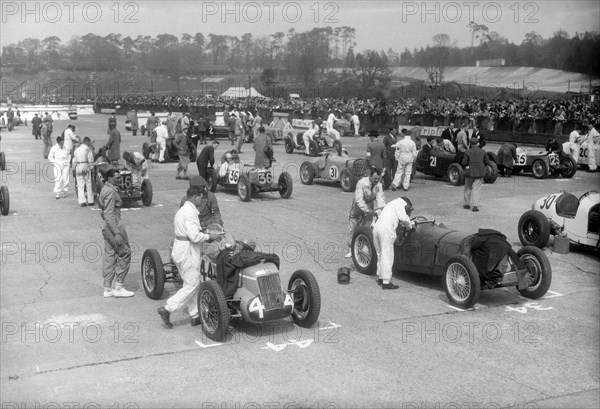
x=456, y=175
x=363, y=251
x=213, y=310
x=289, y=145
x=146, y=192
x=539, y=168
x=153, y=274
x=307, y=173
x=534, y=229
x=461, y=281
x=313, y=148
x=286, y=186
x=347, y=180
x=568, y=168
x=539, y=269
x=306, y=295
x=491, y=173
x=244, y=188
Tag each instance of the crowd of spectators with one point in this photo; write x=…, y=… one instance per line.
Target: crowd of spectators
x=519, y=115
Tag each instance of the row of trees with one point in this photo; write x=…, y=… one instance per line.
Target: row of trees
x=300, y=54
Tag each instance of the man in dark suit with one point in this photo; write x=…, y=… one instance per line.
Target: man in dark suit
x=426, y=149
x=375, y=151
x=475, y=161
x=206, y=159
x=507, y=155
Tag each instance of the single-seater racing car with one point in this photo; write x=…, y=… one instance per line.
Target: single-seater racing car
x=542, y=163
x=456, y=256
x=563, y=214
x=321, y=142
x=335, y=168
x=238, y=282
x=440, y=163
x=129, y=191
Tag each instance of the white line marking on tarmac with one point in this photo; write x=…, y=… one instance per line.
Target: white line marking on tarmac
x=554, y=294
x=331, y=325
x=209, y=345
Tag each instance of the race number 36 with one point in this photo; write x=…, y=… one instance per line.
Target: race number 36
x=334, y=173
x=265, y=177
x=234, y=176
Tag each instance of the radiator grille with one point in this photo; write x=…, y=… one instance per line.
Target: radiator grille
x=270, y=291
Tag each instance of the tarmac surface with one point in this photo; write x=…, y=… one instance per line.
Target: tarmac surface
x=64, y=345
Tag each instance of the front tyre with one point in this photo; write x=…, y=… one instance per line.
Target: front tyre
x=146, y=192
x=539, y=168
x=285, y=185
x=347, y=180
x=307, y=173
x=213, y=310
x=456, y=175
x=306, y=295
x=491, y=173
x=539, y=270
x=568, y=168
x=289, y=145
x=363, y=251
x=534, y=229
x=313, y=148
x=244, y=188
x=153, y=274
x=461, y=281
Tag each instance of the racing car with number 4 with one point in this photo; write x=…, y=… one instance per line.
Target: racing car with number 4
x=435, y=250
x=249, y=180
x=256, y=295
x=563, y=214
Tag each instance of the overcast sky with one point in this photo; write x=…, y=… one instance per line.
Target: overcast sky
x=379, y=24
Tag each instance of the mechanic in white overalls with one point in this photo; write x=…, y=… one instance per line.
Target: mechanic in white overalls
x=308, y=135
x=384, y=235
x=330, y=129
x=186, y=254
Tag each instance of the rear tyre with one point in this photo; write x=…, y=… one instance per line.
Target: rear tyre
x=539, y=168
x=491, y=173
x=244, y=188
x=306, y=295
x=456, y=175
x=289, y=145
x=461, y=281
x=307, y=173
x=534, y=229
x=286, y=186
x=2, y=161
x=347, y=180
x=146, y=192
x=568, y=168
x=363, y=251
x=4, y=200
x=337, y=145
x=153, y=274
x=213, y=310
x=313, y=149
x=539, y=269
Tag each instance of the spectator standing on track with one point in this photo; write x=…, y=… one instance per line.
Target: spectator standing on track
x=231, y=123
x=389, y=141
x=151, y=123
x=60, y=157
x=206, y=159
x=36, y=125
x=201, y=126
x=475, y=166
x=263, y=147
x=406, y=152
x=375, y=151
x=162, y=134
x=181, y=143
x=239, y=133
x=83, y=159
x=356, y=122
x=117, y=252
x=574, y=143
x=462, y=140
x=47, y=128
x=112, y=120
x=113, y=146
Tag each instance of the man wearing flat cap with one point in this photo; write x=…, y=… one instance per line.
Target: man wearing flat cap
x=208, y=207
x=475, y=162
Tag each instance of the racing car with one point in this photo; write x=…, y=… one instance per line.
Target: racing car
x=171, y=151
x=584, y=153
x=346, y=128
x=541, y=163
x=562, y=214
x=253, y=292
x=334, y=168
x=441, y=163
x=249, y=180
x=129, y=191
x=4, y=200
x=435, y=250
x=318, y=144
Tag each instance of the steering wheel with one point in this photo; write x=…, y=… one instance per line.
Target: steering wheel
x=421, y=220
